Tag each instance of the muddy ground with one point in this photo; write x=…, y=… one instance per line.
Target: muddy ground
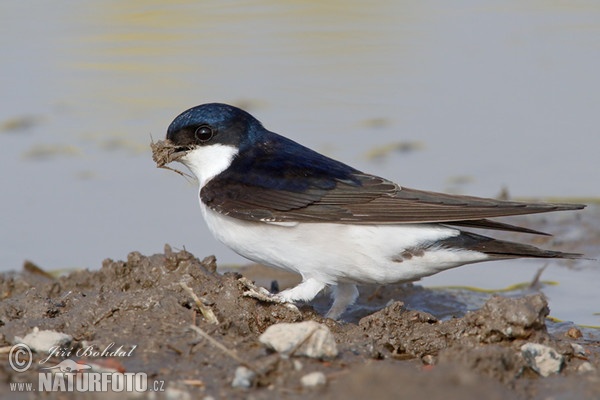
x=386, y=350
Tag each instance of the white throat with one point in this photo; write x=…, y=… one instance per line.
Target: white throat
x=206, y=162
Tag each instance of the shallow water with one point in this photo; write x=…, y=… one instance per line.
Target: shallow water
x=483, y=96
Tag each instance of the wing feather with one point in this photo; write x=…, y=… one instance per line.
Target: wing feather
x=364, y=199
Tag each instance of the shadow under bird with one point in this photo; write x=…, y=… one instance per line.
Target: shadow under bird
x=284, y=205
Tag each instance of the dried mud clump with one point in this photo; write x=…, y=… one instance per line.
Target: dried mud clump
x=162, y=152
x=141, y=302
x=488, y=340
x=503, y=319
x=195, y=328
x=417, y=334
x=165, y=152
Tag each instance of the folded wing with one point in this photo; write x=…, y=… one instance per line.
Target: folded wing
x=362, y=199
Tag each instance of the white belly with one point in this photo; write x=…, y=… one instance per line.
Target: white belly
x=341, y=253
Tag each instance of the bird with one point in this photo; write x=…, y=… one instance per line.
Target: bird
x=283, y=205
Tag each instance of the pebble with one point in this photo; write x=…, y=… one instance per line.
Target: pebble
x=586, y=367
x=44, y=341
x=176, y=394
x=542, y=359
x=297, y=365
x=428, y=359
x=244, y=378
x=574, y=333
x=578, y=349
x=313, y=379
x=307, y=338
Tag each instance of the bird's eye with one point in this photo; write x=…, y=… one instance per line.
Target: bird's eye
x=204, y=133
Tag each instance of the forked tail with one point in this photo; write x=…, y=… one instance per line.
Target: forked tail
x=500, y=249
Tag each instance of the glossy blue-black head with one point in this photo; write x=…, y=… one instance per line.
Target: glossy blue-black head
x=218, y=139
x=213, y=123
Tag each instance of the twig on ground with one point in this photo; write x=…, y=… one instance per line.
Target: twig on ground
x=206, y=311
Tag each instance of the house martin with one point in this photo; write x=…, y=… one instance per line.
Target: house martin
x=284, y=205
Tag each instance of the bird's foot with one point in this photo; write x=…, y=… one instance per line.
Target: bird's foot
x=262, y=294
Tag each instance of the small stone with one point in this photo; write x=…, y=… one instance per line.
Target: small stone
x=44, y=341
x=172, y=393
x=586, y=367
x=244, y=378
x=313, y=379
x=574, y=333
x=297, y=365
x=428, y=359
x=210, y=263
x=307, y=338
x=578, y=349
x=542, y=359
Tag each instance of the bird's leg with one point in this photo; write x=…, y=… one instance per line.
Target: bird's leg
x=344, y=294
x=305, y=291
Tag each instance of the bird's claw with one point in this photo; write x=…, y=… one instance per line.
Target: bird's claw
x=262, y=294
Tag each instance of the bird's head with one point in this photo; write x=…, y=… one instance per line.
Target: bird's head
x=207, y=137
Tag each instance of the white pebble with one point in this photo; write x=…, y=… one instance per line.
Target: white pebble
x=298, y=365
x=542, y=359
x=578, y=349
x=307, y=338
x=244, y=378
x=586, y=367
x=313, y=379
x=44, y=341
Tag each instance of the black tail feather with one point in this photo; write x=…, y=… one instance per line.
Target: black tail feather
x=501, y=226
x=501, y=249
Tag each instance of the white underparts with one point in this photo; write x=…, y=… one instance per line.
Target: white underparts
x=340, y=255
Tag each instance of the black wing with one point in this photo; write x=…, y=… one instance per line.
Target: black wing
x=278, y=180
x=365, y=199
